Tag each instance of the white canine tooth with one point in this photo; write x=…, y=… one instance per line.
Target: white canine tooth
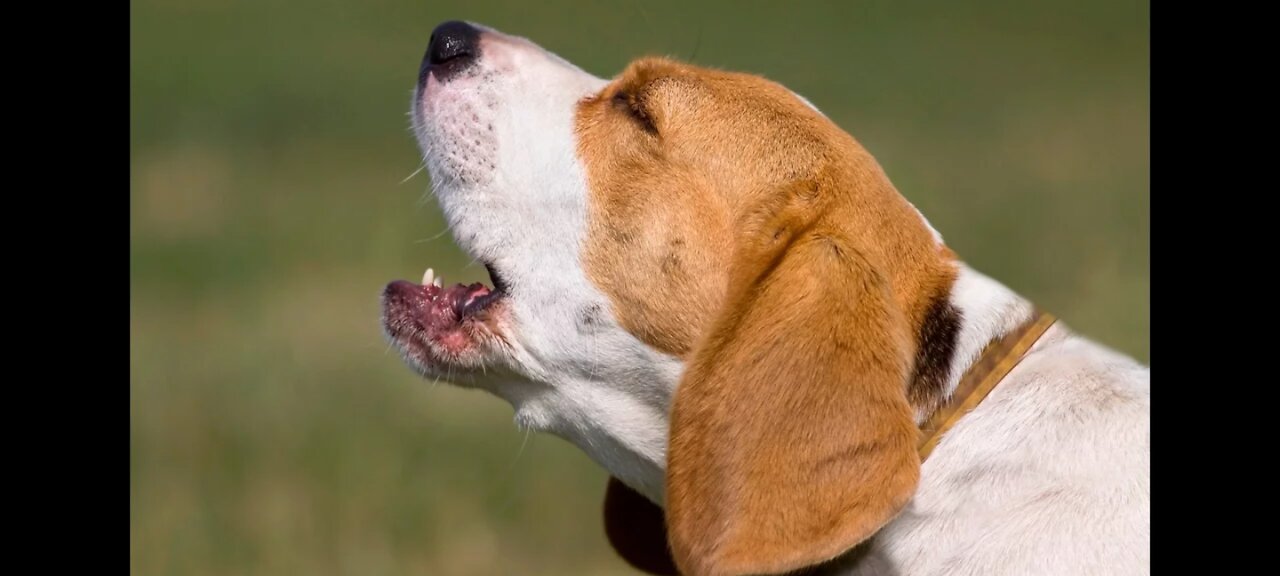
x=428, y=276
x=439, y=282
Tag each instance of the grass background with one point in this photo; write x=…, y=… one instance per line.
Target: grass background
x=271, y=431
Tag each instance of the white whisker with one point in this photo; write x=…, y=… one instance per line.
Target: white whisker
x=415, y=173
x=433, y=238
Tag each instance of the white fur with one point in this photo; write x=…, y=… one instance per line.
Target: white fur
x=1050, y=475
x=570, y=368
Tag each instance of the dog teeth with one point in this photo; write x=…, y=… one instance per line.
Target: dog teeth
x=428, y=277
x=439, y=282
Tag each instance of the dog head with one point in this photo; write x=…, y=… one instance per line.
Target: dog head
x=698, y=278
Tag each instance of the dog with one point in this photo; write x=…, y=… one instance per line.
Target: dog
x=717, y=293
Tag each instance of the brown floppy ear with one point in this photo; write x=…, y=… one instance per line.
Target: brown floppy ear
x=791, y=436
x=637, y=530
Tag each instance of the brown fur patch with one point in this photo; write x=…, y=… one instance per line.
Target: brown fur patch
x=758, y=479
x=732, y=225
x=937, y=348
x=676, y=153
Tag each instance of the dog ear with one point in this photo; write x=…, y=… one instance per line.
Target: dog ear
x=637, y=530
x=792, y=439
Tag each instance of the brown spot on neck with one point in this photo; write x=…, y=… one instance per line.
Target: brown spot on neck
x=935, y=353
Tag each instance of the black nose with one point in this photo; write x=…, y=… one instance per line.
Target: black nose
x=453, y=47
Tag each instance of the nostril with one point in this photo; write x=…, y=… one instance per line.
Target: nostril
x=451, y=41
x=449, y=49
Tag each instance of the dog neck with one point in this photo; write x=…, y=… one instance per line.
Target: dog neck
x=976, y=311
x=627, y=433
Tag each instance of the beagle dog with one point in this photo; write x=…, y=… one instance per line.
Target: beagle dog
x=716, y=293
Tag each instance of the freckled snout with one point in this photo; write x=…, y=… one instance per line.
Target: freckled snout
x=494, y=116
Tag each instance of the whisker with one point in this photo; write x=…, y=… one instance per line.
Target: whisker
x=523, y=443
x=448, y=375
x=645, y=15
x=697, y=43
x=415, y=173
x=508, y=475
x=433, y=238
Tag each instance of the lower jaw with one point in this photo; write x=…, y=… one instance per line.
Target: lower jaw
x=455, y=371
x=460, y=352
x=447, y=352
x=443, y=332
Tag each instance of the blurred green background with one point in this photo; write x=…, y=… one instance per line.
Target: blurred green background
x=271, y=430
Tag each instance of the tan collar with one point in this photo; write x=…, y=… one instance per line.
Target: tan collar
x=995, y=362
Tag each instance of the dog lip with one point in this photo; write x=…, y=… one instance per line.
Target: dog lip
x=476, y=299
x=438, y=308
x=499, y=283
x=438, y=326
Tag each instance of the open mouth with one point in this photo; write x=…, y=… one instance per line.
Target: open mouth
x=454, y=304
x=433, y=324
